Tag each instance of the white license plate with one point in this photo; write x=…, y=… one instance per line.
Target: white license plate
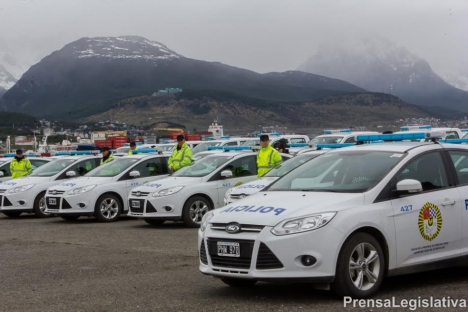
x=135, y=204
x=228, y=249
x=52, y=201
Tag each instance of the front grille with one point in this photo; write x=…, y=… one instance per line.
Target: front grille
x=243, y=227
x=55, y=192
x=6, y=202
x=242, y=262
x=266, y=259
x=203, y=257
x=150, y=208
x=140, y=194
x=140, y=209
x=65, y=204
x=53, y=206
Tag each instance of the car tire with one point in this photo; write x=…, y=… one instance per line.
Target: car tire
x=107, y=208
x=40, y=206
x=238, y=282
x=69, y=218
x=155, y=221
x=194, y=210
x=360, y=267
x=12, y=214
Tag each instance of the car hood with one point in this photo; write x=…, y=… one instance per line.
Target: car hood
x=166, y=183
x=23, y=181
x=79, y=182
x=253, y=186
x=270, y=208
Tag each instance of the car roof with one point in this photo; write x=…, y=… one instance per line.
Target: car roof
x=397, y=147
x=79, y=157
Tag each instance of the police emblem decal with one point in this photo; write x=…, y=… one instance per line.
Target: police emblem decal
x=429, y=221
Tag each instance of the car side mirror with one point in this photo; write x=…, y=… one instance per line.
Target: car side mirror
x=134, y=174
x=408, y=186
x=226, y=174
x=71, y=174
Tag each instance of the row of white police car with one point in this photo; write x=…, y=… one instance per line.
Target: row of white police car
x=346, y=218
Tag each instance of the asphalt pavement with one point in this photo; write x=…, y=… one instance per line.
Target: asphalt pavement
x=56, y=265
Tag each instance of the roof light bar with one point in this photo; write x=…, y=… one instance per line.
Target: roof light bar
x=269, y=134
x=337, y=131
x=334, y=145
x=144, y=151
x=297, y=144
x=454, y=141
x=211, y=148
x=392, y=137
x=407, y=128
x=236, y=148
x=13, y=155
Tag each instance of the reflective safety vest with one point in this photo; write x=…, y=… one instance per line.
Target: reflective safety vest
x=180, y=158
x=130, y=152
x=109, y=159
x=267, y=159
x=20, y=168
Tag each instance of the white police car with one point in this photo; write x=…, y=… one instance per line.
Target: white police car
x=26, y=194
x=103, y=192
x=193, y=190
x=347, y=218
x=5, y=173
x=337, y=136
x=244, y=190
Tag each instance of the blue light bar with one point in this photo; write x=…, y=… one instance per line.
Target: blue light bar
x=210, y=148
x=269, y=134
x=297, y=144
x=236, y=148
x=392, y=137
x=226, y=137
x=464, y=130
x=211, y=138
x=334, y=145
x=337, y=131
x=454, y=141
x=144, y=151
x=126, y=144
x=407, y=128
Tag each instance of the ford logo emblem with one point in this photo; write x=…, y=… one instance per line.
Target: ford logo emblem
x=54, y=192
x=138, y=194
x=233, y=228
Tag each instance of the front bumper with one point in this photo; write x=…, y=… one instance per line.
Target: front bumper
x=76, y=205
x=266, y=257
x=18, y=201
x=168, y=207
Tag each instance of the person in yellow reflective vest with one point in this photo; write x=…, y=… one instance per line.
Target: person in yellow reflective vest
x=181, y=156
x=268, y=157
x=132, y=148
x=106, y=156
x=20, y=166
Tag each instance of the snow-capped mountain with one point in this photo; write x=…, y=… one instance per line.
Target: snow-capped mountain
x=7, y=80
x=379, y=65
x=458, y=80
x=123, y=47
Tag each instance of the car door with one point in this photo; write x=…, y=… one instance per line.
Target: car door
x=460, y=162
x=150, y=170
x=427, y=223
x=244, y=169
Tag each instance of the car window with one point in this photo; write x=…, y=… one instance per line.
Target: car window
x=460, y=162
x=151, y=167
x=242, y=167
x=6, y=170
x=113, y=168
x=289, y=165
x=202, y=167
x=427, y=169
x=350, y=140
x=297, y=140
x=451, y=135
x=233, y=143
x=83, y=167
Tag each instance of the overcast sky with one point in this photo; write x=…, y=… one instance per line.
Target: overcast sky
x=261, y=35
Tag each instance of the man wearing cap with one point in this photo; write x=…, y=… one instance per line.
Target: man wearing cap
x=106, y=156
x=181, y=156
x=132, y=148
x=268, y=157
x=20, y=166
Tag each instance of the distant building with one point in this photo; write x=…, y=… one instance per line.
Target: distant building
x=167, y=91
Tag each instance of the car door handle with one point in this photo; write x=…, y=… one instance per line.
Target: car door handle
x=448, y=202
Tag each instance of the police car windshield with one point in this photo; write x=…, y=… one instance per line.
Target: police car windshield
x=202, y=167
x=52, y=168
x=289, y=165
x=325, y=140
x=251, y=143
x=122, y=150
x=344, y=172
x=113, y=168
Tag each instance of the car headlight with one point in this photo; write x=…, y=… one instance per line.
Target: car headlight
x=20, y=189
x=80, y=190
x=304, y=224
x=206, y=218
x=168, y=191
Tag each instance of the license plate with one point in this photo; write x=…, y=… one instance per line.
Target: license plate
x=228, y=249
x=52, y=201
x=135, y=204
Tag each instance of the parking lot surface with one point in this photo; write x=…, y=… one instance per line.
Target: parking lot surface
x=53, y=265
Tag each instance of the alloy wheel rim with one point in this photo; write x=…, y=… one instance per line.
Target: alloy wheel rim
x=198, y=210
x=42, y=206
x=364, y=266
x=109, y=208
